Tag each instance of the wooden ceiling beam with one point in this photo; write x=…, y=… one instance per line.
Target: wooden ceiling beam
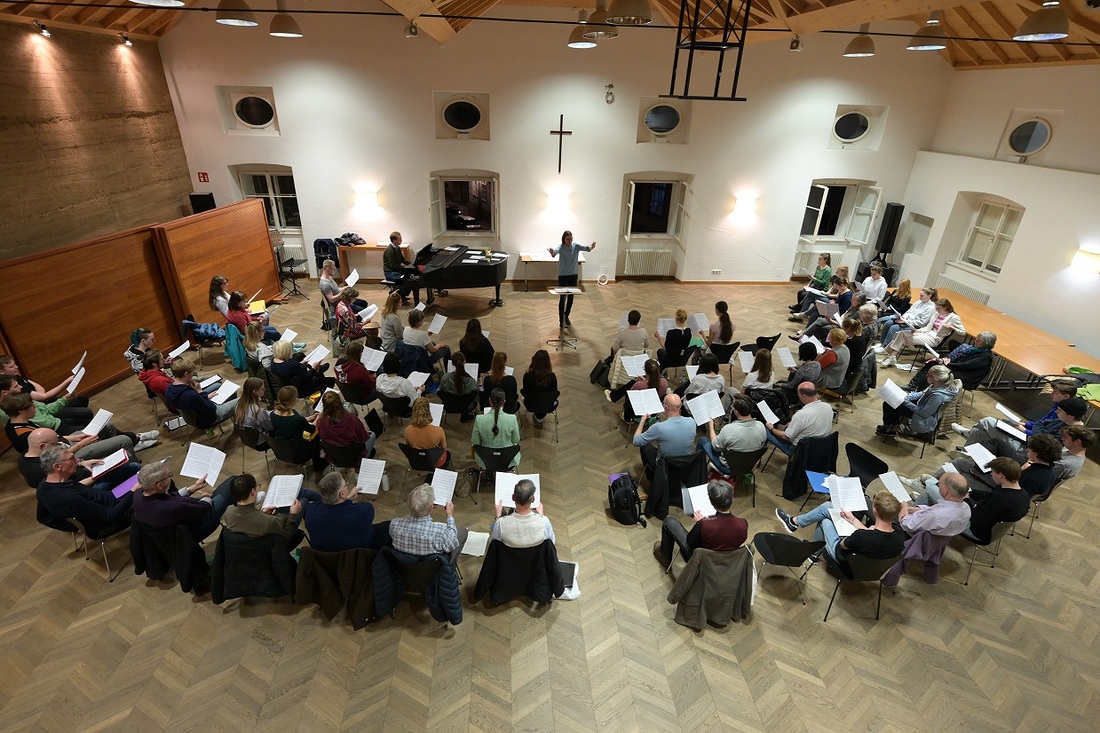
x=1009, y=30
x=970, y=22
x=850, y=14
x=426, y=16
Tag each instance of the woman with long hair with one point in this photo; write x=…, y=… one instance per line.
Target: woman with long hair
x=422, y=435
x=496, y=428
x=336, y=426
x=498, y=378
x=946, y=321
x=540, y=379
x=459, y=382
x=721, y=331
x=288, y=424
x=239, y=315
x=392, y=327
x=252, y=410
x=652, y=380
x=219, y=294
x=900, y=299
x=476, y=347
x=761, y=375
x=254, y=345
x=708, y=378
x=350, y=370
x=287, y=369
x=348, y=324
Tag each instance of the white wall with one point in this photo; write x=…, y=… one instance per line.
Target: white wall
x=355, y=107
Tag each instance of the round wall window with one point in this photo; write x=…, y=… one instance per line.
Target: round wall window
x=662, y=119
x=254, y=111
x=462, y=116
x=851, y=127
x=1029, y=137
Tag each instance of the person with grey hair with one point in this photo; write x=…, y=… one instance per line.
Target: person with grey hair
x=722, y=531
x=339, y=522
x=921, y=408
x=60, y=496
x=969, y=363
x=418, y=535
x=526, y=526
x=160, y=504
x=943, y=513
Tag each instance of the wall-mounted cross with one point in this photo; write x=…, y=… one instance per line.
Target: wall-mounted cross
x=561, y=132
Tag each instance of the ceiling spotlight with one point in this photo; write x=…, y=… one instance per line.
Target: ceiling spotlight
x=126, y=40
x=1048, y=23
x=598, y=28
x=411, y=31
x=862, y=46
x=576, y=38
x=159, y=3
x=42, y=29
x=931, y=37
x=629, y=12
x=236, y=13
x=797, y=44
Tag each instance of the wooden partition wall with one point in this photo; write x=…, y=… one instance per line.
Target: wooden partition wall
x=232, y=241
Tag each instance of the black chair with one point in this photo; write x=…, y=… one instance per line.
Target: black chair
x=398, y=407
x=254, y=439
x=864, y=464
x=1000, y=529
x=247, y=567
x=155, y=399
x=295, y=451
x=811, y=454
x=724, y=353
x=762, y=342
x=864, y=570
x=510, y=572
x=191, y=419
x=375, y=424
x=356, y=394
x=847, y=391
x=102, y=540
x=494, y=459
x=344, y=456
x=1037, y=501
x=778, y=548
x=545, y=403
x=456, y=404
x=420, y=460
x=742, y=466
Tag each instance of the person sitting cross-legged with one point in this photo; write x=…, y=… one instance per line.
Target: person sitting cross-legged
x=339, y=522
x=246, y=516
x=881, y=541
x=526, y=526
x=722, y=531
x=814, y=420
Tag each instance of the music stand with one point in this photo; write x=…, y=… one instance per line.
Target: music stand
x=563, y=341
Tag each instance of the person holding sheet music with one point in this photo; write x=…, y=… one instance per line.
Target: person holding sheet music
x=62, y=495
x=900, y=299
x=184, y=395
x=40, y=439
x=651, y=380
x=1067, y=410
x=820, y=326
x=418, y=535
x=918, y=315
x=421, y=434
x=568, y=255
x=246, y=516
x=252, y=410
x=942, y=511
x=879, y=542
x=721, y=331
x=743, y=434
x=722, y=531
x=339, y=523
x=350, y=370
x=676, y=342
x=67, y=407
x=348, y=323
x=240, y=316
x=160, y=504
x=708, y=379
x=526, y=526
x=539, y=379
x=633, y=338
x=288, y=424
x=873, y=287
x=1008, y=502
x=496, y=428
x=839, y=291
x=969, y=363
x=288, y=368
x=834, y=362
x=811, y=296
x=392, y=384
x=476, y=347
x=814, y=420
x=141, y=341
x=459, y=382
x=818, y=281
x=331, y=291
x=762, y=373
x=922, y=409
x=808, y=371
x=946, y=321
x=255, y=348
x=499, y=378
x=674, y=436
x=22, y=415
x=415, y=335
x=391, y=328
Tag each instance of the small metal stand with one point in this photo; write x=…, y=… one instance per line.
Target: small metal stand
x=563, y=341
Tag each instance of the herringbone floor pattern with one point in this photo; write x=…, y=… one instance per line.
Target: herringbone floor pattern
x=1017, y=649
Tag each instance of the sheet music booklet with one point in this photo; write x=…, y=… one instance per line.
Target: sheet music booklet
x=506, y=484
x=282, y=491
x=443, y=485
x=645, y=401
x=891, y=393
x=371, y=472
x=695, y=499
x=706, y=406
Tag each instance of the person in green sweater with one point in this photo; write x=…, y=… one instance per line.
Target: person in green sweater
x=819, y=281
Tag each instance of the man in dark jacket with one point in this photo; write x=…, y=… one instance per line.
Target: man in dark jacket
x=968, y=362
x=61, y=496
x=722, y=531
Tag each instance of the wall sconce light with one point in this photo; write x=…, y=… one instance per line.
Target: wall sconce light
x=796, y=43
x=1087, y=260
x=366, y=200
x=42, y=29
x=126, y=40
x=557, y=201
x=744, y=205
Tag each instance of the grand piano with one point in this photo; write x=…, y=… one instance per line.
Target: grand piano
x=459, y=266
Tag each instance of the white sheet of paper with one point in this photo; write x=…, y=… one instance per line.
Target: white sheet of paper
x=437, y=324
x=891, y=481
x=320, y=403
x=1012, y=430
x=80, y=364
x=813, y=340
x=980, y=454
x=706, y=406
x=371, y=472
x=471, y=369
x=203, y=460
x=891, y=393
x=112, y=461
x=844, y=528
x=209, y=380
x=806, y=272
x=372, y=359
x=255, y=294
x=745, y=359
x=450, y=366
x=949, y=467
x=368, y=313
x=353, y=277
x=634, y=365
x=1009, y=413
x=420, y=306
x=698, y=322
x=476, y=544
x=664, y=325
x=443, y=485
x=289, y=335
x=224, y=392
x=697, y=500
x=506, y=484
x=179, y=349
x=317, y=355
x=623, y=320
x=766, y=411
x=847, y=493
x=76, y=381
x=471, y=260
x=509, y=371
x=692, y=370
x=282, y=491
x=485, y=334
x=418, y=378
x=645, y=401
x=786, y=358
x=99, y=421
x=437, y=413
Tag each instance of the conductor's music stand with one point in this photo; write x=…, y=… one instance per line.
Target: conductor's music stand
x=563, y=341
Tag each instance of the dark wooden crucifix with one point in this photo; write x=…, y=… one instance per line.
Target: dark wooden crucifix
x=561, y=132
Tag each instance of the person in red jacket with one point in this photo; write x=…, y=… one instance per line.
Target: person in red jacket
x=722, y=531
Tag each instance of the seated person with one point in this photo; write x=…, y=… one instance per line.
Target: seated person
x=396, y=268
x=240, y=316
x=918, y=315
x=945, y=514
x=539, y=379
x=874, y=286
x=475, y=346
x=818, y=281
x=348, y=323
x=420, y=434
x=814, y=420
x=350, y=370
x=391, y=384
x=675, y=347
x=708, y=379
x=742, y=435
x=415, y=335
x=721, y=331
x=251, y=409
x=57, y=410
x=159, y=504
x=288, y=424
x=255, y=348
x=22, y=415
x=820, y=326
x=1076, y=440
x=391, y=326
x=141, y=341
x=808, y=371
x=308, y=378
x=526, y=526
x=1006, y=503
x=459, y=382
x=721, y=532
x=61, y=495
x=839, y=291
x=245, y=515
x=496, y=428
x=946, y=321
x=1066, y=410
x=762, y=374
x=339, y=523
x=834, y=362
x=219, y=294
x=631, y=338
x=674, y=437
x=651, y=380
x=331, y=291
x=498, y=378
x=418, y=535
x=183, y=395
x=152, y=374
x=34, y=472
x=879, y=542
x=968, y=362
x=67, y=407
x=921, y=409
x=336, y=426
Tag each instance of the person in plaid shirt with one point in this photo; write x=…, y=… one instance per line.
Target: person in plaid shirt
x=419, y=535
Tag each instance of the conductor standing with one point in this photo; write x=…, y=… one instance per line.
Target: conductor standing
x=568, y=255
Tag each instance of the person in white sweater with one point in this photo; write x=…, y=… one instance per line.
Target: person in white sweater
x=526, y=526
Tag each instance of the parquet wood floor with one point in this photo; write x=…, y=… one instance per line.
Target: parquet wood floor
x=1017, y=649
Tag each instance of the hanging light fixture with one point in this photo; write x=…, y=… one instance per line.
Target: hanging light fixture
x=576, y=38
x=160, y=3
x=235, y=12
x=1048, y=23
x=598, y=28
x=283, y=24
x=931, y=37
x=629, y=12
x=42, y=29
x=862, y=46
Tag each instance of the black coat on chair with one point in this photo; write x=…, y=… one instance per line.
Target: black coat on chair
x=511, y=572
x=669, y=476
x=245, y=566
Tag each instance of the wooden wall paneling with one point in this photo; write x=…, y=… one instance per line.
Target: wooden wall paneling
x=88, y=295
x=232, y=241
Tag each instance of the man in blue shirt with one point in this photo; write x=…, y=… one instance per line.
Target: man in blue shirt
x=675, y=436
x=568, y=255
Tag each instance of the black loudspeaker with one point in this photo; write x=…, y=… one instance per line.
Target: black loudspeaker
x=888, y=230
x=201, y=202
x=889, y=272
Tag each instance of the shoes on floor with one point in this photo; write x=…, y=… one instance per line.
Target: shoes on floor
x=568, y=322
x=879, y=349
x=960, y=429
x=607, y=394
x=787, y=521
x=795, y=318
x=143, y=444
x=888, y=362
x=792, y=337
x=149, y=435
x=665, y=562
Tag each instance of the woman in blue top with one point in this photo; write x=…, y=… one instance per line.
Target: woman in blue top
x=568, y=255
